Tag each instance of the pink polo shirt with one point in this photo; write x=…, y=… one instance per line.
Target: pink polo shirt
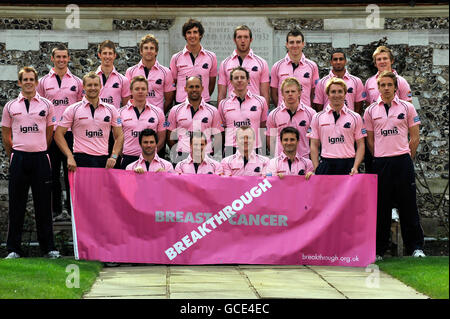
x=252, y=112
x=337, y=139
x=206, y=119
x=255, y=65
x=152, y=117
x=116, y=87
x=156, y=164
x=28, y=129
x=234, y=165
x=280, y=165
x=181, y=67
x=371, y=88
x=280, y=118
x=391, y=132
x=71, y=91
x=355, y=90
x=159, y=79
x=90, y=133
x=208, y=166
x=307, y=73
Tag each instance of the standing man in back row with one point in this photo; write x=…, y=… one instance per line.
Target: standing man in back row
x=161, y=90
x=294, y=64
x=62, y=88
x=194, y=60
x=243, y=56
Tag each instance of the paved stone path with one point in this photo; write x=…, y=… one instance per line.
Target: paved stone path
x=247, y=282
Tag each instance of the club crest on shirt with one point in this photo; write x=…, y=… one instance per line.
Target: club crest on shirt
x=116, y=85
x=205, y=66
x=255, y=69
x=401, y=116
x=42, y=113
x=73, y=88
x=347, y=125
x=306, y=75
x=159, y=81
x=302, y=123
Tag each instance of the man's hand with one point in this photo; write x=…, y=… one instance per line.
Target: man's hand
x=308, y=175
x=354, y=171
x=159, y=170
x=110, y=162
x=139, y=170
x=71, y=164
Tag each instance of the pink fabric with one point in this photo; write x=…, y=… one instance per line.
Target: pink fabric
x=391, y=132
x=137, y=218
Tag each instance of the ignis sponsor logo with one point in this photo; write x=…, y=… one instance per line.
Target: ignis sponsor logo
x=135, y=133
x=29, y=129
x=242, y=123
x=92, y=134
x=336, y=140
x=108, y=100
x=61, y=102
x=394, y=131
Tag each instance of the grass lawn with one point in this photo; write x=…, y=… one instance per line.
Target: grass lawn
x=41, y=278
x=427, y=275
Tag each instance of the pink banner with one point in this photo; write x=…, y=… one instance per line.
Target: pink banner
x=161, y=218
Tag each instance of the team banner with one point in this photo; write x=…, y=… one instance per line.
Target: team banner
x=163, y=218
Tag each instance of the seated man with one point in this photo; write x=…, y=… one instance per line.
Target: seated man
x=245, y=161
x=198, y=162
x=149, y=161
x=289, y=162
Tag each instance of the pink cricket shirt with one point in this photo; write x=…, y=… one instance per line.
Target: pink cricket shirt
x=280, y=165
x=234, y=165
x=116, y=87
x=208, y=166
x=156, y=164
x=371, y=88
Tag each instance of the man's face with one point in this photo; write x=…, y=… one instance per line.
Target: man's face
x=198, y=146
x=242, y=40
x=194, y=89
x=291, y=94
x=193, y=36
x=338, y=62
x=148, y=145
x=386, y=87
x=295, y=45
x=245, y=141
x=336, y=95
x=148, y=52
x=28, y=83
x=60, y=59
x=92, y=88
x=239, y=80
x=289, y=142
x=383, y=62
x=107, y=57
x=139, y=91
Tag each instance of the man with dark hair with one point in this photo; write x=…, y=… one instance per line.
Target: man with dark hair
x=137, y=115
x=335, y=130
x=62, y=88
x=91, y=121
x=242, y=108
x=294, y=64
x=243, y=56
x=289, y=162
x=198, y=162
x=149, y=161
x=194, y=114
x=194, y=60
x=355, y=97
x=27, y=129
x=389, y=121
x=161, y=90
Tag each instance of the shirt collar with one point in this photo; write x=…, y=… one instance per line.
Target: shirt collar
x=381, y=103
x=378, y=73
x=185, y=50
x=250, y=53
x=53, y=72
x=131, y=105
x=99, y=70
x=142, y=159
x=141, y=65
x=86, y=102
x=250, y=158
x=234, y=96
x=284, y=157
x=346, y=75
x=35, y=97
x=188, y=105
x=287, y=58
x=190, y=160
x=344, y=109
x=300, y=106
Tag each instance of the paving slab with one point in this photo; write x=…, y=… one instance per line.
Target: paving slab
x=209, y=287
x=214, y=295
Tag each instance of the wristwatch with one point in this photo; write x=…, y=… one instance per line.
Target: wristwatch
x=114, y=156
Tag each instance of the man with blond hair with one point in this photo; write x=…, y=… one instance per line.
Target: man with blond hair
x=336, y=129
x=291, y=112
x=243, y=56
x=161, y=90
